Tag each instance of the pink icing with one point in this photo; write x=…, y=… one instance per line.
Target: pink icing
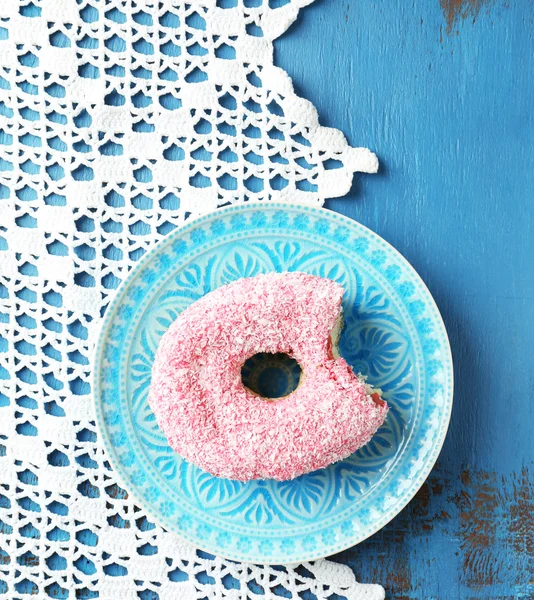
x=211, y=419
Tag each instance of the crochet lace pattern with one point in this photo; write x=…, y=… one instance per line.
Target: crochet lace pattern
x=118, y=121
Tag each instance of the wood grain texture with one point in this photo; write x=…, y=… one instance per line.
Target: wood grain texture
x=443, y=92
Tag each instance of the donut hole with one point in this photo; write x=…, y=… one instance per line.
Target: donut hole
x=271, y=376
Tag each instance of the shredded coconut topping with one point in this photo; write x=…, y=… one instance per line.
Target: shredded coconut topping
x=211, y=419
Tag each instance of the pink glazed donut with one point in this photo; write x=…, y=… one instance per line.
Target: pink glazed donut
x=212, y=420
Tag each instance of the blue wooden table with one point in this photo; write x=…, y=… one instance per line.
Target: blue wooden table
x=444, y=94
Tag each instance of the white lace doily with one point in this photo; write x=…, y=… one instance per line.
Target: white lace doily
x=119, y=120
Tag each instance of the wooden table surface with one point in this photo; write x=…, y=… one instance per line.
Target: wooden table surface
x=443, y=92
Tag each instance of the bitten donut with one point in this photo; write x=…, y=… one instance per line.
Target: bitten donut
x=212, y=420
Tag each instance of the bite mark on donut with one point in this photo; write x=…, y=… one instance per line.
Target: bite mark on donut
x=333, y=351
x=335, y=335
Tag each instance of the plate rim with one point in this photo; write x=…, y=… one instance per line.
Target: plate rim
x=109, y=448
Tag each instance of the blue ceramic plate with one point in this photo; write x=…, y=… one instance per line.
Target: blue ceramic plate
x=393, y=333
